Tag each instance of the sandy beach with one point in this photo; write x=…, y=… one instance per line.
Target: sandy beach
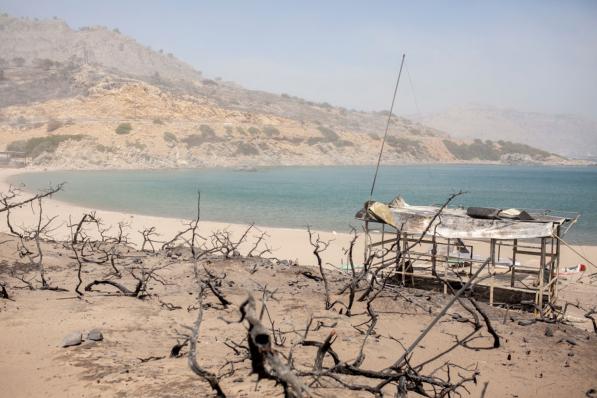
x=286, y=243
x=537, y=359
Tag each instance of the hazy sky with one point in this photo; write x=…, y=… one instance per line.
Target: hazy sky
x=528, y=55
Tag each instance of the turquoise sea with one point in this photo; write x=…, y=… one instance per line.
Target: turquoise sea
x=327, y=197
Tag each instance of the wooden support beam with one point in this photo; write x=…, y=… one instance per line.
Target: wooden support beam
x=513, y=272
x=367, y=244
x=491, y=269
x=541, y=277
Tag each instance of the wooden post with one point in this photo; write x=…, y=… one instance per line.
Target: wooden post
x=433, y=256
x=513, y=271
x=412, y=265
x=366, y=250
x=491, y=270
x=556, y=266
x=383, y=235
x=446, y=265
x=398, y=260
x=541, y=276
x=405, y=246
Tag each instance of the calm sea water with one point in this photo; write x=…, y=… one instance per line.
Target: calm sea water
x=327, y=197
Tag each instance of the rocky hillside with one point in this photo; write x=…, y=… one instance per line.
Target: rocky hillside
x=139, y=125
x=37, y=41
x=96, y=98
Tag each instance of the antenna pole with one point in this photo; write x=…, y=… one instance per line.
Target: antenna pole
x=383, y=142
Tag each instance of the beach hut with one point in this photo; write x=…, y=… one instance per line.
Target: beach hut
x=508, y=256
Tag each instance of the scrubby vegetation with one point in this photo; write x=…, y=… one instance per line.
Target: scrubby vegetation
x=207, y=135
x=170, y=137
x=329, y=136
x=476, y=150
x=194, y=140
x=246, y=149
x=489, y=150
x=34, y=147
x=402, y=144
x=157, y=120
x=254, y=131
x=207, y=131
x=271, y=131
x=104, y=148
x=21, y=121
x=124, y=128
x=263, y=146
x=137, y=145
x=513, y=147
x=53, y=125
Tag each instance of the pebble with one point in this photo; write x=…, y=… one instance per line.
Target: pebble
x=72, y=339
x=95, y=335
x=569, y=340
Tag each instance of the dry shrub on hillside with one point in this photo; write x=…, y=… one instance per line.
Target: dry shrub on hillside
x=124, y=128
x=254, y=131
x=53, y=125
x=207, y=135
x=170, y=137
x=271, y=131
x=246, y=149
x=35, y=146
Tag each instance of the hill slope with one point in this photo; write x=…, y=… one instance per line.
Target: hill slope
x=35, y=41
x=65, y=93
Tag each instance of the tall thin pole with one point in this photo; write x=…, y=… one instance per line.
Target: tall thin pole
x=383, y=142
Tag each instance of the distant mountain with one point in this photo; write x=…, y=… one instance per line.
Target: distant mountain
x=568, y=135
x=92, y=98
x=36, y=41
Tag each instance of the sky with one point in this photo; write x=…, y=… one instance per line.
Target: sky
x=538, y=56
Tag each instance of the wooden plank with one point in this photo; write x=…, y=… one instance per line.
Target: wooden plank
x=513, y=271
x=501, y=295
x=533, y=253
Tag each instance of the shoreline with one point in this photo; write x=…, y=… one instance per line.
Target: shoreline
x=286, y=243
x=575, y=163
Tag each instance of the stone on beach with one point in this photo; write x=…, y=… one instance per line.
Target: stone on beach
x=72, y=339
x=95, y=335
